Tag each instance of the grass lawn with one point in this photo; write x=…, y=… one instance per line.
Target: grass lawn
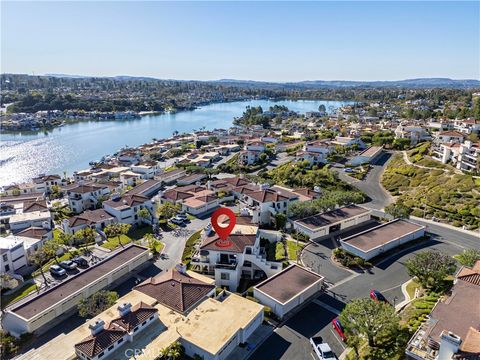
x=140, y=232
x=292, y=249
x=411, y=286
x=112, y=243
x=189, y=247
x=18, y=294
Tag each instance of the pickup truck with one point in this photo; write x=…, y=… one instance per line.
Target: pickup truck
x=322, y=349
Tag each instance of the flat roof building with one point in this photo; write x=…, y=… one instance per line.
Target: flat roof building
x=41, y=310
x=212, y=328
x=316, y=226
x=379, y=239
x=288, y=289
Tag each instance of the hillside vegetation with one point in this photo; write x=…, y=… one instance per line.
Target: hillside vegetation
x=445, y=195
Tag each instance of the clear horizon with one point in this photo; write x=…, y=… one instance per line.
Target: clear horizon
x=259, y=41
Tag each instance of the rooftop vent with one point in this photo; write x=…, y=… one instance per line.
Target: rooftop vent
x=98, y=326
x=124, y=308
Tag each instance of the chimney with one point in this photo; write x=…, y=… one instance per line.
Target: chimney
x=98, y=326
x=181, y=268
x=124, y=308
x=449, y=344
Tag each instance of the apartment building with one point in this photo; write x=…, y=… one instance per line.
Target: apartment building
x=86, y=196
x=239, y=256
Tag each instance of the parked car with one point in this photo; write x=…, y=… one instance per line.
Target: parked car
x=322, y=349
x=80, y=261
x=182, y=217
x=337, y=325
x=176, y=220
x=56, y=270
x=376, y=295
x=348, y=170
x=68, y=265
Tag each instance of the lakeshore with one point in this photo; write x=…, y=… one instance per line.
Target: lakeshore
x=73, y=146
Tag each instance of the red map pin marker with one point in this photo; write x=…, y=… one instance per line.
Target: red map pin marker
x=221, y=231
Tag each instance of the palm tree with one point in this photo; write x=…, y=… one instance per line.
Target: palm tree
x=39, y=258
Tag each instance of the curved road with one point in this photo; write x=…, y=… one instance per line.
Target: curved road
x=371, y=185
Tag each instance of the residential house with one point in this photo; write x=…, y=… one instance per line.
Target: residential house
x=265, y=203
x=125, y=208
x=449, y=136
x=451, y=329
x=86, y=196
x=97, y=219
x=106, y=339
x=33, y=238
x=12, y=255
x=239, y=256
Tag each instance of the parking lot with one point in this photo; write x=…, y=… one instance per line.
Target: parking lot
x=292, y=339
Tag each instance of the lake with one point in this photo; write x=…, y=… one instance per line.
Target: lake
x=71, y=147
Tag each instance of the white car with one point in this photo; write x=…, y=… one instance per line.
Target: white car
x=322, y=349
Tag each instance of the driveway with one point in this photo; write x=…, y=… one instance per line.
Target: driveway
x=371, y=185
x=292, y=340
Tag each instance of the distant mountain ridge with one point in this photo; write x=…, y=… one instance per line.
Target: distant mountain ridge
x=407, y=83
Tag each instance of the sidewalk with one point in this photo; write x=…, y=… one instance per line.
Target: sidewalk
x=257, y=338
x=451, y=227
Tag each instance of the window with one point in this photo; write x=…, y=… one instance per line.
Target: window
x=144, y=323
x=120, y=341
x=110, y=347
x=151, y=317
x=101, y=354
x=135, y=329
x=5, y=257
x=7, y=268
x=225, y=276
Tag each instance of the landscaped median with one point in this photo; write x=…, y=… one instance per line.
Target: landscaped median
x=190, y=247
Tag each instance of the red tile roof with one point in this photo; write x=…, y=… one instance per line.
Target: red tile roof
x=90, y=217
x=95, y=344
x=33, y=232
x=138, y=314
x=175, y=290
x=268, y=195
x=238, y=242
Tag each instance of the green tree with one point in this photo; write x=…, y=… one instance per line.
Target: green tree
x=84, y=236
x=8, y=345
x=431, y=267
x=117, y=230
x=96, y=303
x=39, y=258
x=173, y=352
x=280, y=221
x=376, y=321
x=144, y=214
x=167, y=210
x=468, y=257
x=398, y=211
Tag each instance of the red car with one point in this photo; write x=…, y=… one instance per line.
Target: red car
x=376, y=295
x=337, y=325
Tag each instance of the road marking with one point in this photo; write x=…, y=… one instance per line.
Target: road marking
x=338, y=338
x=386, y=290
x=351, y=277
x=313, y=357
x=326, y=306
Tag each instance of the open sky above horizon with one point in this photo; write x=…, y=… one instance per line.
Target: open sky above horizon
x=281, y=41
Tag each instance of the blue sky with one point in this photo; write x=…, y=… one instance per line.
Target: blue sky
x=282, y=41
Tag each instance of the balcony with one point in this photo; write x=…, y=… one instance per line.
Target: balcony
x=226, y=264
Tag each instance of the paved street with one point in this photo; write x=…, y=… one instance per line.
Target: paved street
x=290, y=341
x=379, y=197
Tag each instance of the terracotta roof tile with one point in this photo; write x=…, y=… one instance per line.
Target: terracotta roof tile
x=95, y=344
x=175, y=290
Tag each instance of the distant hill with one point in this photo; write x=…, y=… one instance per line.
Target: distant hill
x=409, y=83
x=309, y=84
